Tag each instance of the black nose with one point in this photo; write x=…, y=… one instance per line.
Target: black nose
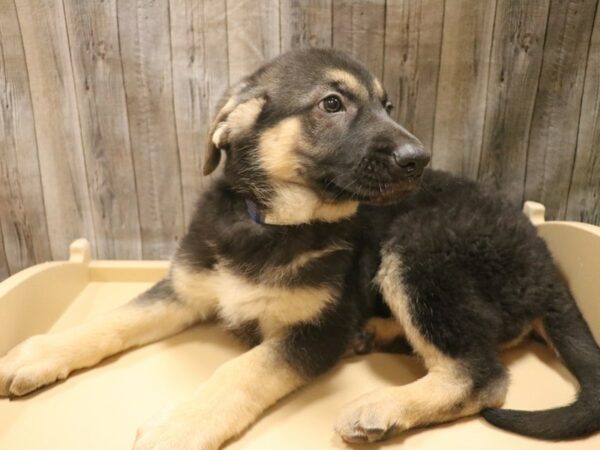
x=410, y=159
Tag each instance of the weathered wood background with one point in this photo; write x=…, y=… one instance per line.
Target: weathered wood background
x=105, y=104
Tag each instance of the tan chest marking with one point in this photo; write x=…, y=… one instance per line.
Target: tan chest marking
x=294, y=204
x=237, y=300
x=273, y=307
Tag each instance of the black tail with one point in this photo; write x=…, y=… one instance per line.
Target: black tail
x=574, y=342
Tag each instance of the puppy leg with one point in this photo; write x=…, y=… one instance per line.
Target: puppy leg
x=446, y=393
x=454, y=386
x=384, y=329
x=44, y=359
x=240, y=390
x=232, y=398
x=379, y=334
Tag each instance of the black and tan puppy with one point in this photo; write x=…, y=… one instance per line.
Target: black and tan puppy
x=281, y=252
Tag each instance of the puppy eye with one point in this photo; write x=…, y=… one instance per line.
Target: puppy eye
x=331, y=104
x=388, y=107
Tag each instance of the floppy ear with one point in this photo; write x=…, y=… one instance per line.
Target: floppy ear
x=237, y=116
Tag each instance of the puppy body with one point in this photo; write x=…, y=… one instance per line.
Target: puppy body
x=282, y=254
x=265, y=280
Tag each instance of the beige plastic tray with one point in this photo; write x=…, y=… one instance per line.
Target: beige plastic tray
x=101, y=408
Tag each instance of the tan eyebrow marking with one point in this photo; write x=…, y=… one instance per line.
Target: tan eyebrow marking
x=349, y=81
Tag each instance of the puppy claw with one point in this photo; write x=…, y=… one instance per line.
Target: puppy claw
x=361, y=435
x=381, y=434
x=371, y=418
x=356, y=438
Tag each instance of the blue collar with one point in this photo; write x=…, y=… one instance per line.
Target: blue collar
x=254, y=212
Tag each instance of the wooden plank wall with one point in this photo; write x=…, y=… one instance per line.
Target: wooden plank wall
x=105, y=105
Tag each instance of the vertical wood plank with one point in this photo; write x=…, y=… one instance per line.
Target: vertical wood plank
x=93, y=38
x=515, y=65
x=556, y=114
x=359, y=29
x=463, y=79
x=252, y=35
x=413, y=42
x=63, y=174
x=4, y=271
x=305, y=24
x=146, y=53
x=200, y=77
x=584, y=193
x=23, y=231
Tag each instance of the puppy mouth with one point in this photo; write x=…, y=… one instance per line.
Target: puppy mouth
x=369, y=190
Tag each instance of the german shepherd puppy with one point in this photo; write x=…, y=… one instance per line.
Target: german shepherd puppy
x=325, y=218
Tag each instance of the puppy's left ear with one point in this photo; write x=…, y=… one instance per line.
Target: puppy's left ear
x=236, y=117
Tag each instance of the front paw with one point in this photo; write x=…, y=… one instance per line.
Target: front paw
x=372, y=417
x=32, y=364
x=180, y=428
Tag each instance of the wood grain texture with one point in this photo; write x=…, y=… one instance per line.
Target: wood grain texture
x=515, y=65
x=413, y=42
x=359, y=29
x=146, y=52
x=23, y=231
x=462, y=86
x=584, y=194
x=96, y=60
x=4, y=269
x=553, y=136
x=105, y=105
x=200, y=77
x=252, y=35
x=62, y=167
x=305, y=24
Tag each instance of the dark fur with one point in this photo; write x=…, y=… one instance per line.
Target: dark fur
x=460, y=269
x=255, y=249
x=477, y=273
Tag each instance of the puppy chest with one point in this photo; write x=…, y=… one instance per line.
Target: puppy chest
x=271, y=307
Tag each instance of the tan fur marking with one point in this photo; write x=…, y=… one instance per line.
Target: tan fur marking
x=227, y=107
x=292, y=202
x=195, y=288
x=244, y=116
x=280, y=273
x=296, y=204
x=217, y=136
x=273, y=307
x=378, y=88
x=231, y=400
x=538, y=326
x=445, y=393
x=389, y=279
x=349, y=80
x=238, y=300
x=133, y=324
x=277, y=147
x=516, y=341
x=384, y=330
x=332, y=212
x=233, y=121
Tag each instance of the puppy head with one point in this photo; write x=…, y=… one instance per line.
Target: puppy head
x=311, y=130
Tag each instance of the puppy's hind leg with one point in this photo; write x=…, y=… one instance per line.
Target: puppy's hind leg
x=43, y=359
x=449, y=391
x=456, y=385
